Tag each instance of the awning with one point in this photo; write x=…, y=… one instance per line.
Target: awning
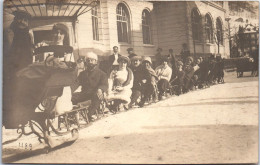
x=51, y=8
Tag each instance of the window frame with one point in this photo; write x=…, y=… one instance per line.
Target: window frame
x=95, y=23
x=196, y=25
x=123, y=23
x=219, y=29
x=146, y=27
x=209, y=36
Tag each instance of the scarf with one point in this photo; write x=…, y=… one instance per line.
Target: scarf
x=129, y=76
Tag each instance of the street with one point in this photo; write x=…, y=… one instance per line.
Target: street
x=213, y=125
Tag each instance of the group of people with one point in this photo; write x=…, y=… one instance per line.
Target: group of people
x=134, y=80
x=124, y=81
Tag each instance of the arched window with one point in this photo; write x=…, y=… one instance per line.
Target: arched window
x=219, y=31
x=208, y=28
x=146, y=27
x=196, y=24
x=123, y=23
x=94, y=13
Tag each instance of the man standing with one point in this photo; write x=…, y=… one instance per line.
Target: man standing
x=94, y=83
x=112, y=59
x=185, y=52
x=131, y=53
x=158, y=57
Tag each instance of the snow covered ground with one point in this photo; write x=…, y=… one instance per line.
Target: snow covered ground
x=214, y=125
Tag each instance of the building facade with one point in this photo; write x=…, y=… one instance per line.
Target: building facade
x=146, y=26
x=142, y=25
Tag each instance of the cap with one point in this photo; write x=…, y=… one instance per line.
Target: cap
x=130, y=49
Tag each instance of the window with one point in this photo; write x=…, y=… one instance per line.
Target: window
x=196, y=24
x=94, y=13
x=208, y=28
x=219, y=31
x=123, y=23
x=146, y=27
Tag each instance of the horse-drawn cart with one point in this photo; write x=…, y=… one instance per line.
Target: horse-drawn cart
x=243, y=65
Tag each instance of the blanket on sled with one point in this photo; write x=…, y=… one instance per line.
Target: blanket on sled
x=29, y=87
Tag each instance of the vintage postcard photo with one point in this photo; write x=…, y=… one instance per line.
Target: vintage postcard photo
x=130, y=82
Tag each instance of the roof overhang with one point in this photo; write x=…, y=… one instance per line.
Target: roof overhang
x=50, y=8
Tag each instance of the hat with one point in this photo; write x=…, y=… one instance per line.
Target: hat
x=91, y=55
x=123, y=58
x=130, y=49
x=62, y=27
x=136, y=57
x=147, y=59
x=22, y=14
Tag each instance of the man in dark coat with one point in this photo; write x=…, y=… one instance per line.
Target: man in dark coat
x=18, y=47
x=204, y=73
x=94, y=83
x=158, y=58
x=189, y=72
x=112, y=60
x=185, y=52
x=178, y=80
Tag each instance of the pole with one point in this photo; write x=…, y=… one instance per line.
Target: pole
x=229, y=36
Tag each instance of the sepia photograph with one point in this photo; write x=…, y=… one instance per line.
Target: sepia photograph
x=130, y=82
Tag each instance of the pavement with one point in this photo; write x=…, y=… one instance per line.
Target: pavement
x=213, y=125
